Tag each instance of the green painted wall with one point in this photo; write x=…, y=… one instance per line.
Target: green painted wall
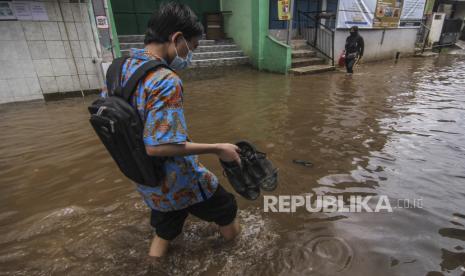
x=114, y=34
x=131, y=16
x=259, y=30
x=238, y=24
x=277, y=56
x=248, y=26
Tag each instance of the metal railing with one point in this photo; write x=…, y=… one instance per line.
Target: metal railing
x=422, y=39
x=422, y=36
x=319, y=36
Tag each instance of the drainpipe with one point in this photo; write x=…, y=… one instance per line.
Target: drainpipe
x=98, y=46
x=382, y=36
x=114, y=34
x=69, y=43
x=324, y=8
x=93, y=25
x=289, y=23
x=318, y=21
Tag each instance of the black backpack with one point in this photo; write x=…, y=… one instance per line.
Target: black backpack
x=120, y=128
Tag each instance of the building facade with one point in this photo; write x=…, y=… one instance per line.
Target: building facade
x=53, y=47
x=390, y=28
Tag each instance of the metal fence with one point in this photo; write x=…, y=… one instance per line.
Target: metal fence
x=319, y=36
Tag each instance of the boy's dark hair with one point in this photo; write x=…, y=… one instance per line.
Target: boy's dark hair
x=172, y=17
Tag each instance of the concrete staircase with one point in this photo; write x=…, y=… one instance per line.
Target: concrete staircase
x=306, y=61
x=210, y=53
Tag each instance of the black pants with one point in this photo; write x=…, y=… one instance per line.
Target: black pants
x=220, y=208
x=350, y=62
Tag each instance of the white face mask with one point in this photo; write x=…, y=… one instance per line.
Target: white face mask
x=180, y=63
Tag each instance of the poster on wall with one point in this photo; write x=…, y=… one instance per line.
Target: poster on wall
x=387, y=14
x=356, y=13
x=6, y=11
x=412, y=13
x=38, y=11
x=22, y=10
x=284, y=9
x=102, y=22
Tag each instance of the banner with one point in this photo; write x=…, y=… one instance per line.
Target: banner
x=38, y=11
x=412, y=13
x=23, y=10
x=387, y=14
x=380, y=13
x=356, y=13
x=284, y=9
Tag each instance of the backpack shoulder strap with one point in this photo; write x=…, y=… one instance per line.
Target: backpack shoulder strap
x=114, y=74
x=139, y=74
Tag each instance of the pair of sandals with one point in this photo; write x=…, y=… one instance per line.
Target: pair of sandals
x=255, y=173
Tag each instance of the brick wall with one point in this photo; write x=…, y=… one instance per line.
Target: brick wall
x=57, y=55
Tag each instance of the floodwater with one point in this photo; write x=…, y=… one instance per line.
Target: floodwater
x=392, y=130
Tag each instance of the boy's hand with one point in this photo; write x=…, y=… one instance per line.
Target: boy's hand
x=228, y=152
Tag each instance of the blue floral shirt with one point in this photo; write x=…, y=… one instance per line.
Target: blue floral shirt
x=159, y=101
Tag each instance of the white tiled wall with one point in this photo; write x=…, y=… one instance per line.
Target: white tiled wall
x=39, y=57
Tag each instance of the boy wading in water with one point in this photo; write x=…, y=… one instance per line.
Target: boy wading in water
x=188, y=187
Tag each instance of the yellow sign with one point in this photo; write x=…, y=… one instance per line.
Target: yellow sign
x=284, y=9
x=387, y=13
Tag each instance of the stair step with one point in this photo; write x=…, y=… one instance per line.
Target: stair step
x=219, y=54
x=460, y=43
x=210, y=53
x=220, y=61
x=216, y=51
x=138, y=42
x=301, y=62
x=204, y=42
x=303, y=53
x=298, y=41
x=129, y=45
x=217, y=48
x=301, y=47
x=313, y=69
x=299, y=44
x=131, y=38
x=125, y=53
x=197, y=55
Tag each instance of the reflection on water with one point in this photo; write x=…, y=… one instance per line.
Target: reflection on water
x=391, y=129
